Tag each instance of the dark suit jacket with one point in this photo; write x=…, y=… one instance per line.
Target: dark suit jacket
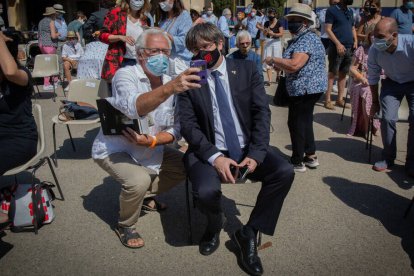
x=251, y=105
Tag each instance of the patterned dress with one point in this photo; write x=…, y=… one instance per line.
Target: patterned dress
x=361, y=98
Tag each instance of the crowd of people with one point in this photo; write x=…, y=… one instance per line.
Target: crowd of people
x=226, y=120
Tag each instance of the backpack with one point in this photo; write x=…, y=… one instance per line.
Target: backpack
x=19, y=202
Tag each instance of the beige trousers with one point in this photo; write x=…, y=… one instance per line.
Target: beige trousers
x=139, y=182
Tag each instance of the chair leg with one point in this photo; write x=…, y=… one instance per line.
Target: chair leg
x=370, y=141
x=71, y=140
x=409, y=208
x=55, y=178
x=34, y=201
x=187, y=196
x=368, y=132
x=54, y=90
x=38, y=91
x=54, y=146
x=343, y=109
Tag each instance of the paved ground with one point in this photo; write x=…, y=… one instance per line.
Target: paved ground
x=341, y=219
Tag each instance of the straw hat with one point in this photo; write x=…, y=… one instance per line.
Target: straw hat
x=300, y=10
x=71, y=34
x=58, y=8
x=49, y=11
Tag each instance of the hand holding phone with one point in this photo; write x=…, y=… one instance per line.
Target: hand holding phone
x=239, y=173
x=202, y=64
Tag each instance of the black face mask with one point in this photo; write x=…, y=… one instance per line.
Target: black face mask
x=372, y=11
x=348, y=2
x=211, y=57
x=271, y=18
x=295, y=26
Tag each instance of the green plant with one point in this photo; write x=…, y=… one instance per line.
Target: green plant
x=279, y=5
x=220, y=5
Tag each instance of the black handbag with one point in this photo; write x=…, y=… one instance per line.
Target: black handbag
x=281, y=97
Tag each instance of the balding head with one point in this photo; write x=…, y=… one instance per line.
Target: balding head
x=386, y=25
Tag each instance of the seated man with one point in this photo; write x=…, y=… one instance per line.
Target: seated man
x=71, y=53
x=226, y=123
x=141, y=163
x=244, y=43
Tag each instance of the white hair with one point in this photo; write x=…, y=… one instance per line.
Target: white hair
x=226, y=11
x=242, y=34
x=142, y=39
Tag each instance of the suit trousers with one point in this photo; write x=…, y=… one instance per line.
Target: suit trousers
x=276, y=175
x=139, y=182
x=391, y=96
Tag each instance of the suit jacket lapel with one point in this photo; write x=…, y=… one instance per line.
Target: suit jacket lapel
x=232, y=74
x=208, y=105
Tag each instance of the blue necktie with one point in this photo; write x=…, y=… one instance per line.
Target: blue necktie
x=229, y=128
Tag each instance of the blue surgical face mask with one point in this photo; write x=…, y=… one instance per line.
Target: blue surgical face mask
x=382, y=44
x=409, y=5
x=157, y=65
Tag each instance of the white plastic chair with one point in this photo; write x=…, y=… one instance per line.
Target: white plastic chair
x=47, y=66
x=84, y=90
x=37, y=161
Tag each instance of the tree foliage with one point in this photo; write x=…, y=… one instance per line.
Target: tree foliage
x=220, y=5
x=279, y=5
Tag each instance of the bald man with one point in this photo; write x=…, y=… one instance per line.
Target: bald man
x=393, y=53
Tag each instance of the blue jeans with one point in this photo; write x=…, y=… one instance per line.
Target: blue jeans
x=392, y=94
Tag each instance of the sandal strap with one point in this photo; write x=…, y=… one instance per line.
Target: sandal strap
x=128, y=233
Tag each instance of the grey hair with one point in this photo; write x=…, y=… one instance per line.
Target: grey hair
x=241, y=34
x=204, y=31
x=142, y=39
x=225, y=11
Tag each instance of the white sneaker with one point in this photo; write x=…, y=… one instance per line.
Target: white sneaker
x=47, y=87
x=299, y=167
x=335, y=88
x=66, y=89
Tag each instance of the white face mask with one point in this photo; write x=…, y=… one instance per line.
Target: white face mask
x=166, y=6
x=136, y=5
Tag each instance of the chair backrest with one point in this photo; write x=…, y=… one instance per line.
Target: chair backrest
x=46, y=65
x=37, y=114
x=87, y=90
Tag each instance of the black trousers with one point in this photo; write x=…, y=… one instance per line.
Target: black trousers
x=15, y=152
x=300, y=123
x=275, y=173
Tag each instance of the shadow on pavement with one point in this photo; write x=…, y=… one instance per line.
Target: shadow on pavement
x=83, y=144
x=348, y=148
x=333, y=121
x=5, y=247
x=379, y=203
x=399, y=176
x=103, y=200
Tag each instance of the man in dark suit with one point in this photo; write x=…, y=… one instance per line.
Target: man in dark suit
x=226, y=123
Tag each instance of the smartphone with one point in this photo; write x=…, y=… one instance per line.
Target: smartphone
x=241, y=174
x=202, y=64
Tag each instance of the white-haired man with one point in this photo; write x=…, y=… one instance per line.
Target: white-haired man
x=244, y=45
x=223, y=26
x=141, y=163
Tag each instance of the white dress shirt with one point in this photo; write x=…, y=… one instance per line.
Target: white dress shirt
x=218, y=127
x=128, y=83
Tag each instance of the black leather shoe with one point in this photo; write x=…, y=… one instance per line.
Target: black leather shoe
x=245, y=241
x=209, y=243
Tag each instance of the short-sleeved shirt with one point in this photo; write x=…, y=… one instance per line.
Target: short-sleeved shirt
x=16, y=119
x=251, y=25
x=342, y=23
x=76, y=26
x=404, y=18
x=73, y=52
x=45, y=37
x=275, y=29
x=312, y=77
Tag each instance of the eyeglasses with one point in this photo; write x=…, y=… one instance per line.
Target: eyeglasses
x=155, y=51
x=245, y=43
